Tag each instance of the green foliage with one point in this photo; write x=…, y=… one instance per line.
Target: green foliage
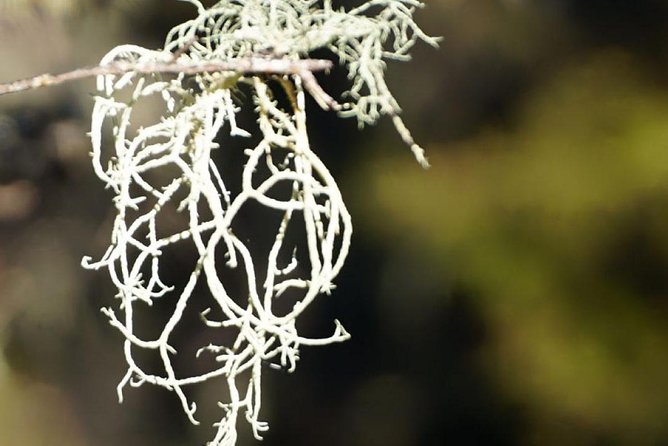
x=534, y=222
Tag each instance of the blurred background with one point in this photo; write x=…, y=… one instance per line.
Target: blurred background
x=514, y=294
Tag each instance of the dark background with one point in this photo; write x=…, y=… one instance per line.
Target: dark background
x=513, y=294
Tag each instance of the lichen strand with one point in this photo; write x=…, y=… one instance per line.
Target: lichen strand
x=362, y=39
x=197, y=108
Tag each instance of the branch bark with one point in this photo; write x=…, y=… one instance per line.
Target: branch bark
x=303, y=68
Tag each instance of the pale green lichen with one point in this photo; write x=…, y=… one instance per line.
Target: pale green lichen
x=197, y=108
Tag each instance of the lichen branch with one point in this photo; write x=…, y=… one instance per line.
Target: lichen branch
x=254, y=43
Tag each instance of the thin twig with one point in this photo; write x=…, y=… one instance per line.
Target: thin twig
x=246, y=65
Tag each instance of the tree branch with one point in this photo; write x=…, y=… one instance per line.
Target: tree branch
x=304, y=68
